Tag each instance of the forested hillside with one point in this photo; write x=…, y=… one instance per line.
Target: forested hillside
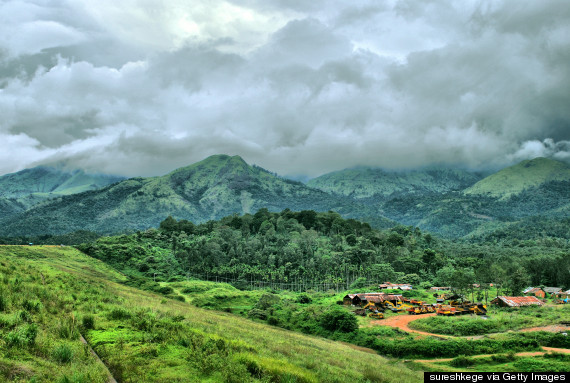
x=434, y=200
x=374, y=185
x=322, y=250
x=22, y=190
x=210, y=189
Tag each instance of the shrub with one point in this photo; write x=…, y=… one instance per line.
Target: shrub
x=24, y=316
x=62, y=354
x=22, y=336
x=164, y=290
x=338, y=319
x=3, y=302
x=67, y=329
x=88, y=322
x=119, y=313
x=462, y=361
x=257, y=313
x=359, y=283
x=503, y=358
x=304, y=298
x=266, y=301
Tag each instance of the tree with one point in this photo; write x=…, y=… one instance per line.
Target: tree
x=169, y=224
x=518, y=280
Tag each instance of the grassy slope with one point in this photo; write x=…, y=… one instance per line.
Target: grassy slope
x=144, y=337
x=514, y=179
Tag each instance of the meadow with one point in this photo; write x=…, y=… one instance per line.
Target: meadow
x=51, y=296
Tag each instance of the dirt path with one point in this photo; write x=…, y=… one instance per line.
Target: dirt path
x=401, y=322
x=551, y=328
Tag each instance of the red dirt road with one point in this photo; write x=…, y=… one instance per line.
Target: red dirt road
x=402, y=321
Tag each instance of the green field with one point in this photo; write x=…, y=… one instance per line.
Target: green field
x=51, y=295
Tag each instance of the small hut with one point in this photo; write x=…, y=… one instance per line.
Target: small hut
x=504, y=301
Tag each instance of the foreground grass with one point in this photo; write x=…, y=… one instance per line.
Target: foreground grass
x=51, y=295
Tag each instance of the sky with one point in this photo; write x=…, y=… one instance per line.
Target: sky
x=141, y=87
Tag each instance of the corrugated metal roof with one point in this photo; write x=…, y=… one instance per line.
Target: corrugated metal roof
x=552, y=290
x=520, y=301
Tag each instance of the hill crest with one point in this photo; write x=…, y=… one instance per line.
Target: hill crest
x=515, y=179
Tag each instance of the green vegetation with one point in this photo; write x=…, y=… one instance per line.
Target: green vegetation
x=52, y=295
x=551, y=362
x=517, y=178
x=500, y=320
x=434, y=200
x=210, y=189
x=372, y=184
x=24, y=189
x=321, y=251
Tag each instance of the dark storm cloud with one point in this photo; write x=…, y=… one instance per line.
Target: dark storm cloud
x=139, y=88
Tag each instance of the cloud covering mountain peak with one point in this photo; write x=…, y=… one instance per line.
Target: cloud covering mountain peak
x=140, y=88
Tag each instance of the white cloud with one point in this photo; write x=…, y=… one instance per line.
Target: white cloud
x=140, y=87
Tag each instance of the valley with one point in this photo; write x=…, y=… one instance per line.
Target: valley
x=222, y=271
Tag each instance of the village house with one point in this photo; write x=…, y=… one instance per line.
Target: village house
x=551, y=291
x=395, y=286
x=363, y=298
x=536, y=291
x=504, y=301
x=434, y=288
x=347, y=300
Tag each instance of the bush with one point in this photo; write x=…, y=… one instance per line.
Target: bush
x=338, y=319
x=31, y=306
x=62, y=354
x=119, y=313
x=462, y=361
x=164, y=290
x=304, y=298
x=88, y=322
x=266, y=301
x=257, y=313
x=503, y=358
x=22, y=336
x=359, y=283
x=67, y=329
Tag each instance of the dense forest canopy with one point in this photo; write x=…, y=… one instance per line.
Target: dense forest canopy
x=309, y=249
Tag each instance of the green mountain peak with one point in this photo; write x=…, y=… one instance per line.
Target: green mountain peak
x=526, y=174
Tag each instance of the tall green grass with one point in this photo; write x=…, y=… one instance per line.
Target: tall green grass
x=52, y=295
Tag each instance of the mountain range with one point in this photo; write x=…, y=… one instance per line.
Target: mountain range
x=21, y=190
x=453, y=203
